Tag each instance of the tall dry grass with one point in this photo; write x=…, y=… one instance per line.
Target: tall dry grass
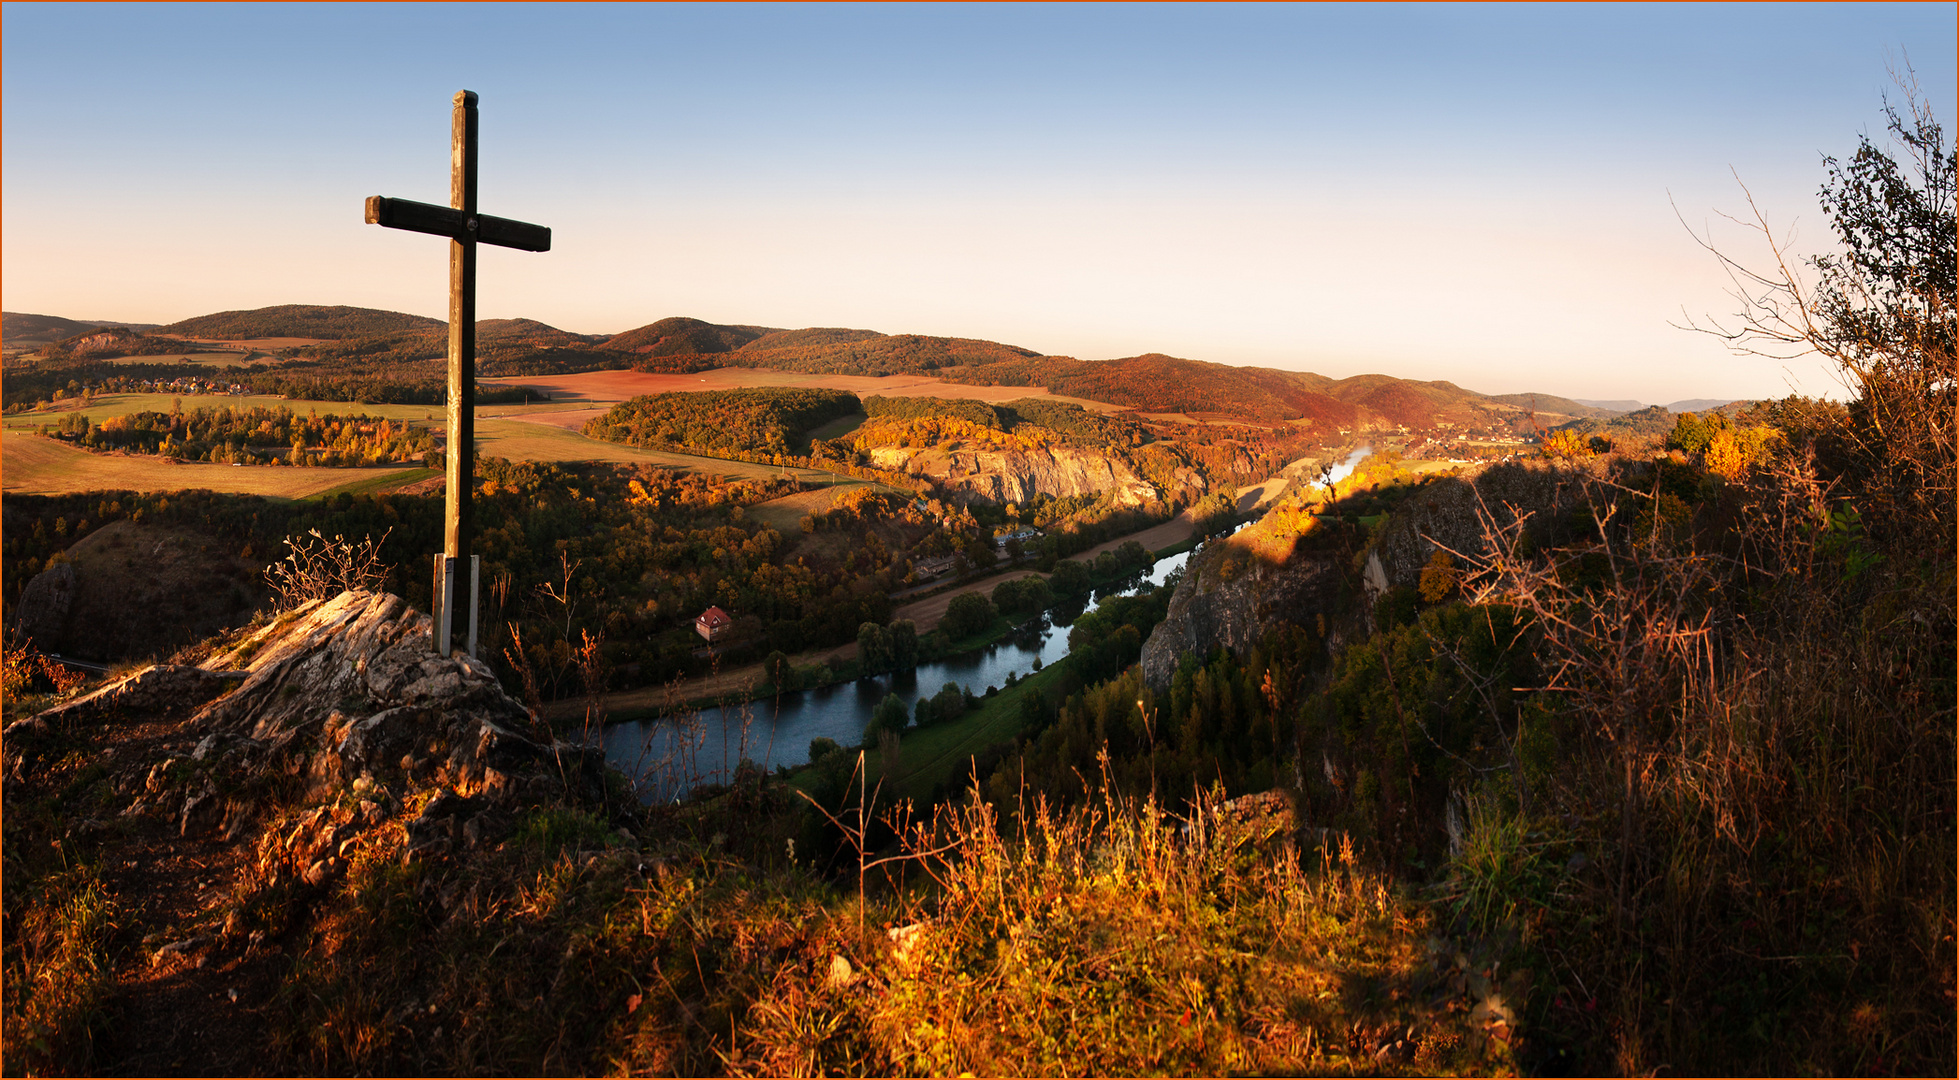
x=1759, y=776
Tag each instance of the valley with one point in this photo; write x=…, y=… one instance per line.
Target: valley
x=1150, y=617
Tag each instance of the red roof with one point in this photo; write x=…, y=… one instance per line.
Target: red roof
x=714, y=616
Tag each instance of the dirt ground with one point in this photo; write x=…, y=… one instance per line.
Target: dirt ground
x=199, y=1010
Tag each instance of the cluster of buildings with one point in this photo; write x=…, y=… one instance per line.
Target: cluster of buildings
x=188, y=385
x=1024, y=535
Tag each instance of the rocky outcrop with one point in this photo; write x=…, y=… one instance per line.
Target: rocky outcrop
x=1237, y=590
x=1236, y=605
x=1001, y=476
x=343, y=697
x=1450, y=514
x=160, y=690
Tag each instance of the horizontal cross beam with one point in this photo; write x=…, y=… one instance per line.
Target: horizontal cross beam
x=456, y=224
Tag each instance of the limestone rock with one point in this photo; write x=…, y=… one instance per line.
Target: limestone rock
x=139, y=590
x=1207, y=611
x=1231, y=595
x=1000, y=476
x=161, y=690
x=202, y=813
x=346, y=692
x=1263, y=820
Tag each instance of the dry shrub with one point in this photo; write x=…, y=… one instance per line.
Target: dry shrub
x=23, y=669
x=1759, y=766
x=318, y=568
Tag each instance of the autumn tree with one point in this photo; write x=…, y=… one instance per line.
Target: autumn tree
x=1881, y=307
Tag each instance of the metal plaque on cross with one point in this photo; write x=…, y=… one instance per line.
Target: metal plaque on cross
x=465, y=229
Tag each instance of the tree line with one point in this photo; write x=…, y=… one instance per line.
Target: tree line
x=251, y=435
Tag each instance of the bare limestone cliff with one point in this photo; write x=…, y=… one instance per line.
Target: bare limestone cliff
x=997, y=476
x=1290, y=567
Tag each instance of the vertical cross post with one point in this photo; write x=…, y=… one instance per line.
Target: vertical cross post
x=465, y=228
x=460, y=481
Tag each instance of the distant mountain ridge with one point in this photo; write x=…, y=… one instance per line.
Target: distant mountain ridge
x=22, y=330
x=1700, y=404
x=1688, y=405
x=1579, y=407
x=1149, y=383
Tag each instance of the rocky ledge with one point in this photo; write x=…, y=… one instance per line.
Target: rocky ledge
x=1237, y=590
x=343, y=697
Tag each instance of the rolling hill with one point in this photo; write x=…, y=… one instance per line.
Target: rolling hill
x=23, y=331
x=1585, y=410
x=114, y=341
x=681, y=336
x=300, y=321
x=885, y=354
x=376, y=340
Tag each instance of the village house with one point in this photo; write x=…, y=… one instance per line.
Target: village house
x=1023, y=534
x=926, y=569
x=714, y=624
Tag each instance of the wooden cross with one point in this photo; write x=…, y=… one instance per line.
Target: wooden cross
x=465, y=228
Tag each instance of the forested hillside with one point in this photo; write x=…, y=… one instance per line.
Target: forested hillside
x=682, y=337
x=760, y=423
x=23, y=331
x=299, y=320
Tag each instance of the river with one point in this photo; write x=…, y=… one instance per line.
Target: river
x=670, y=757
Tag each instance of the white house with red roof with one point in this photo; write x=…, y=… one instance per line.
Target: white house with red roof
x=714, y=624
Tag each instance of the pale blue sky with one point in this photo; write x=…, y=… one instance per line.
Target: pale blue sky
x=1480, y=194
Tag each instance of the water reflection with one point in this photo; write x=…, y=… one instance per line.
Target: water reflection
x=673, y=756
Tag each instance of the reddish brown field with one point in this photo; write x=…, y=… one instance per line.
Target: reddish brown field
x=606, y=387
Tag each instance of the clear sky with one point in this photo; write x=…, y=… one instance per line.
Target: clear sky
x=1480, y=194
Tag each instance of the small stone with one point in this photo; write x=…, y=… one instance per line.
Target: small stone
x=179, y=948
x=840, y=973
x=200, y=813
x=905, y=939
